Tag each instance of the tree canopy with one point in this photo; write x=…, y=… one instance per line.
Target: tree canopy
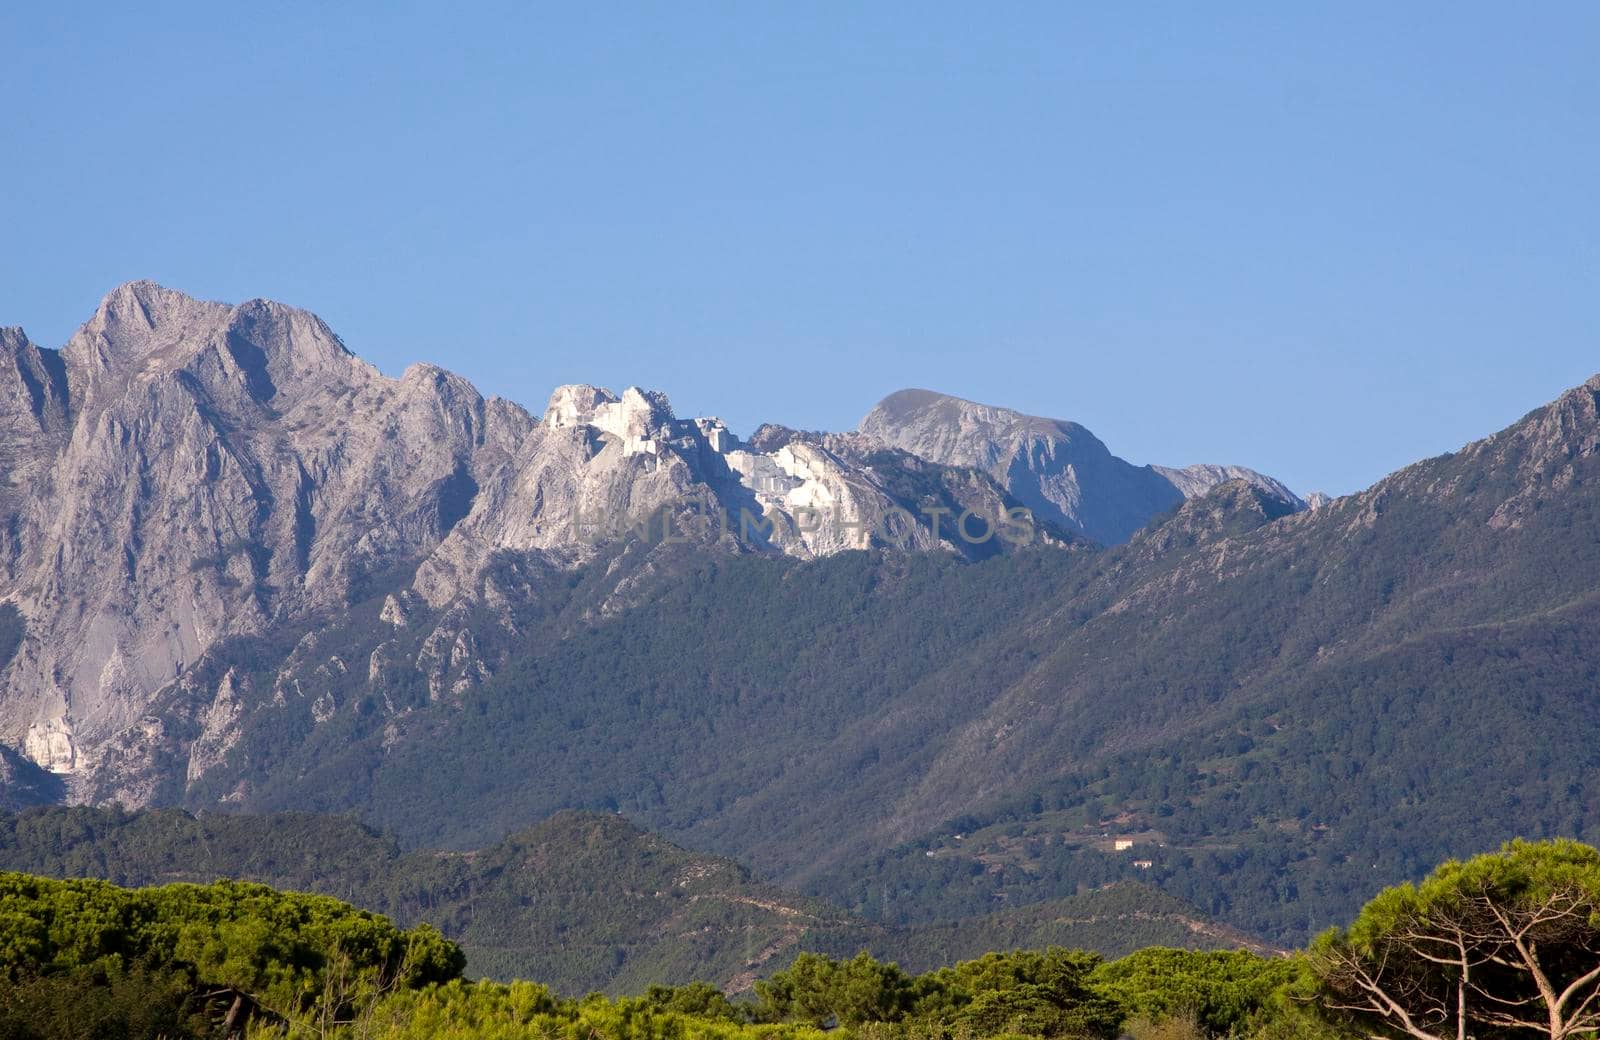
x=245, y=948
x=1503, y=944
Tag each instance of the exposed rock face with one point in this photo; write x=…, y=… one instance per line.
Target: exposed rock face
x=219, y=727
x=33, y=412
x=199, y=469
x=184, y=473
x=1195, y=481
x=1058, y=468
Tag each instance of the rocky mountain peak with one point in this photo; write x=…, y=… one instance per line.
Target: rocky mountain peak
x=139, y=320
x=441, y=383
x=955, y=431
x=1058, y=468
x=12, y=339
x=1197, y=480
x=293, y=348
x=143, y=332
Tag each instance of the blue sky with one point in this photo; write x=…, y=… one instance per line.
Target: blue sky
x=1323, y=243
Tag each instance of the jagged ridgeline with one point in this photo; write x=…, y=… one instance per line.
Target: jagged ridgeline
x=183, y=473
x=251, y=572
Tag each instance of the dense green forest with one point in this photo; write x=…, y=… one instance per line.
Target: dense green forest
x=721, y=655
x=1504, y=945
x=581, y=901
x=87, y=959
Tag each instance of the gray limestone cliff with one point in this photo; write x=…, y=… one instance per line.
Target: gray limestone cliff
x=1058, y=468
x=184, y=471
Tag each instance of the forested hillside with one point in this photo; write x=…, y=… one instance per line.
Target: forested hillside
x=581, y=901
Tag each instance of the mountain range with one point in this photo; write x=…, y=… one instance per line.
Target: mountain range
x=243, y=570
x=183, y=472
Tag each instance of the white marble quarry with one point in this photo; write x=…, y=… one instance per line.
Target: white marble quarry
x=49, y=743
x=634, y=417
x=761, y=473
x=716, y=434
x=575, y=404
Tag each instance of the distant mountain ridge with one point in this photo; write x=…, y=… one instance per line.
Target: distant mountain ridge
x=1060, y=470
